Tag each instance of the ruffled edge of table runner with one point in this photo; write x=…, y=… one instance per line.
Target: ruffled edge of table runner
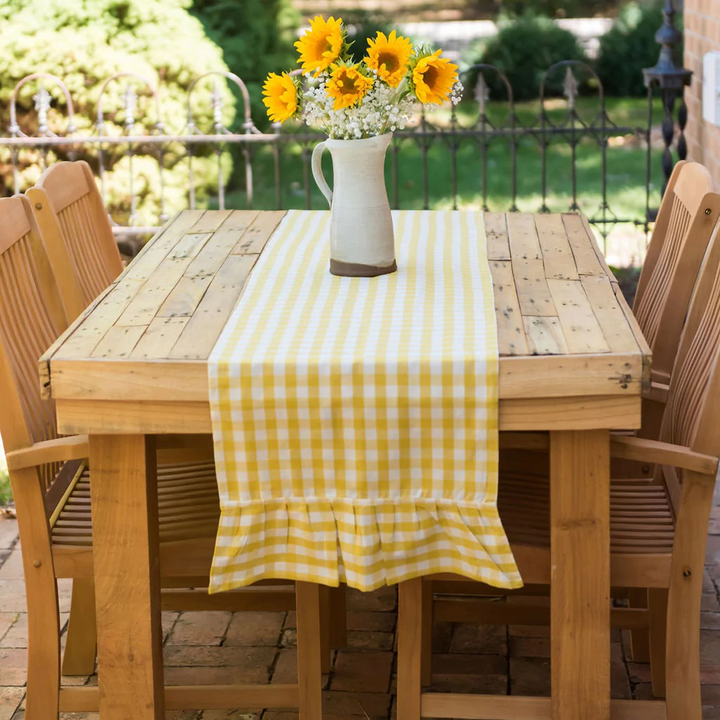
x=364, y=543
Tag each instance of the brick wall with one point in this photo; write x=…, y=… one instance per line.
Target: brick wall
x=702, y=34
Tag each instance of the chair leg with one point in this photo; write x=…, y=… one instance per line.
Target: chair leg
x=43, y=678
x=682, y=677
x=81, y=641
x=657, y=605
x=307, y=598
x=325, y=622
x=639, y=639
x=427, y=633
x=410, y=631
x=338, y=617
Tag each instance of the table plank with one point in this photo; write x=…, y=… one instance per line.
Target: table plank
x=259, y=232
x=496, y=232
x=581, y=328
x=583, y=249
x=510, y=328
x=545, y=335
x=200, y=334
x=557, y=253
x=154, y=292
x=183, y=299
x=159, y=337
x=528, y=266
x=618, y=333
x=152, y=255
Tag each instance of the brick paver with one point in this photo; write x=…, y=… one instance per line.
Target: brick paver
x=219, y=648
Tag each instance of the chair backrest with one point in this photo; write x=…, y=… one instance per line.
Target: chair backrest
x=692, y=415
x=77, y=232
x=31, y=319
x=683, y=229
x=692, y=411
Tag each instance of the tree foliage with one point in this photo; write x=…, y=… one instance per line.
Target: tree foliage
x=256, y=37
x=84, y=42
x=629, y=47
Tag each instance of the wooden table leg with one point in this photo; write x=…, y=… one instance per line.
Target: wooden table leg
x=309, y=660
x=127, y=584
x=409, y=661
x=580, y=591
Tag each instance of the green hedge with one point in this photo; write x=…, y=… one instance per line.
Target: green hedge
x=528, y=44
x=524, y=48
x=84, y=43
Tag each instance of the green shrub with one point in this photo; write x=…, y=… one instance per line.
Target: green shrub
x=256, y=37
x=629, y=47
x=86, y=42
x=362, y=26
x=524, y=48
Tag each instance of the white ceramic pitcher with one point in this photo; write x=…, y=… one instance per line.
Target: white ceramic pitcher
x=362, y=242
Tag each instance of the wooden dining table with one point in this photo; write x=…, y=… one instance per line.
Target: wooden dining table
x=134, y=366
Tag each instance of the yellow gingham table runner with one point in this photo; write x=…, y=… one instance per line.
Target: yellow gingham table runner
x=355, y=419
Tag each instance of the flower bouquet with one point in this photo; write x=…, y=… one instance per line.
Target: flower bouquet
x=358, y=105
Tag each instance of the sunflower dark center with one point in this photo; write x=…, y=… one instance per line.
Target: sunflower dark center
x=347, y=85
x=389, y=60
x=430, y=76
x=323, y=45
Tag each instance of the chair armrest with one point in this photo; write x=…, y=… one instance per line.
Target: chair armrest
x=657, y=392
x=660, y=453
x=62, y=449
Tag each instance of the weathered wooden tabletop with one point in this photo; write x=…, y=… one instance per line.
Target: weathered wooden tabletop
x=570, y=350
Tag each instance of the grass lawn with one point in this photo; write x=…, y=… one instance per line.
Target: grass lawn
x=626, y=166
x=5, y=494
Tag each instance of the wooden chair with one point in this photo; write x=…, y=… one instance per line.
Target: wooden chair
x=685, y=223
x=76, y=229
x=658, y=528
x=51, y=484
x=684, y=226
x=84, y=257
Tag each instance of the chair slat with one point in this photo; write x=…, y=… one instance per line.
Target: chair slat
x=77, y=232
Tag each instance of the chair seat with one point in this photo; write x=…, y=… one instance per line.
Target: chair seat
x=641, y=516
x=188, y=506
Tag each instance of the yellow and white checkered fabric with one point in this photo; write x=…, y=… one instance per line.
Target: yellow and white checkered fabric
x=355, y=419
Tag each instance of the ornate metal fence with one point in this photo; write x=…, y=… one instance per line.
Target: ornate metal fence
x=485, y=154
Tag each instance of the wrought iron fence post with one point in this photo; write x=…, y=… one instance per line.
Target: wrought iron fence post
x=671, y=80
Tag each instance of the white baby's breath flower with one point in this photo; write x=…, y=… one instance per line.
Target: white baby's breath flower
x=383, y=109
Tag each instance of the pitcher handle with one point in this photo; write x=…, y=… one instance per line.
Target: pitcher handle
x=318, y=173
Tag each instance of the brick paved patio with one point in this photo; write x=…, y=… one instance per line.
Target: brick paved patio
x=219, y=647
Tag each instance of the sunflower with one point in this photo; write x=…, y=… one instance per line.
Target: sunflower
x=434, y=77
x=390, y=56
x=321, y=45
x=347, y=85
x=280, y=97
